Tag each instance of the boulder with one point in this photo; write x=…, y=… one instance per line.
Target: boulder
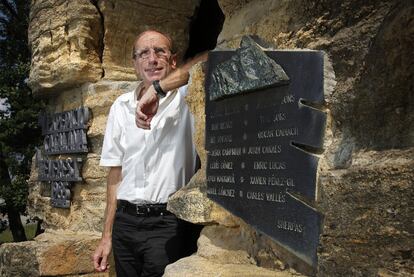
x=51, y=254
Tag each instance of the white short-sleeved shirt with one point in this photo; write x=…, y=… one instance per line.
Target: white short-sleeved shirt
x=157, y=162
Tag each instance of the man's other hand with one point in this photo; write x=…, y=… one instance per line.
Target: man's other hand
x=100, y=257
x=146, y=109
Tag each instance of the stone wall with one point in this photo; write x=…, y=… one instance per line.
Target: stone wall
x=365, y=183
x=76, y=42
x=81, y=55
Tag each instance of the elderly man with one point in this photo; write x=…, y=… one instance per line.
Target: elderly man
x=147, y=164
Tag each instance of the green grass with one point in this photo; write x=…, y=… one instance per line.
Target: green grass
x=6, y=235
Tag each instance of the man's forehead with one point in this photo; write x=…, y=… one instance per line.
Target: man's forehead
x=152, y=38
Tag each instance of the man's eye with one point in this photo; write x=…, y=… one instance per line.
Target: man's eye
x=160, y=51
x=143, y=54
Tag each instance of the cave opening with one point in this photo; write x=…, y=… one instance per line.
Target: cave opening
x=205, y=27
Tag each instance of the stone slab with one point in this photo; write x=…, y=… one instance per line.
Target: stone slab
x=261, y=163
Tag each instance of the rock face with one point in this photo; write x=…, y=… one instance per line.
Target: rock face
x=81, y=55
x=123, y=20
x=51, y=254
x=248, y=69
x=89, y=196
x=368, y=215
x=66, y=44
x=84, y=41
x=364, y=183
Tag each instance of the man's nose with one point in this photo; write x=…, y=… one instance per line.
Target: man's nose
x=152, y=57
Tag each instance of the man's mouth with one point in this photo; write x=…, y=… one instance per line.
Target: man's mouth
x=154, y=70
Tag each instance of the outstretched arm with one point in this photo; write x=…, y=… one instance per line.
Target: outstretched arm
x=100, y=257
x=148, y=104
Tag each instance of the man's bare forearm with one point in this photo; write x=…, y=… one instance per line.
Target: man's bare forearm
x=148, y=104
x=180, y=76
x=101, y=254
x=113, y=180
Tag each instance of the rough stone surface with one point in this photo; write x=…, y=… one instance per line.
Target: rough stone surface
x=88, y=196
x=80, y=49
x=65, y=38
x=83, y=41
x=247, y=70
x=365, y=174
x=74, y=44
x=51, y=254
x=123, y=20
x=224, y=245
x=366, y=41
x=66, y=253
x=17, y=259
x=368, y=215
x=371, y=109
x=364, y=184
x=198, y=266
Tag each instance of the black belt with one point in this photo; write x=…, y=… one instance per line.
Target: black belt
x=143, y=209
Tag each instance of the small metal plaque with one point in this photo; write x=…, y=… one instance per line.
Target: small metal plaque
x=73, y=141
x=261, y=164
x=64, y=133
x=60, y=197
x=60, y=170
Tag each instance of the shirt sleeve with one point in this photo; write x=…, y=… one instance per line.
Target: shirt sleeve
x=183, y=90
x=112, y=151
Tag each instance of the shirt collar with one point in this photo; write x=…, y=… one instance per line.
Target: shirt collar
x=132, y=96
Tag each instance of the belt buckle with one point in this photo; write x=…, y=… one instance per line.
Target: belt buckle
x=138, y=211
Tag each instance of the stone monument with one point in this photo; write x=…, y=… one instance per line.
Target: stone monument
x=81, y=57
x=264, y=128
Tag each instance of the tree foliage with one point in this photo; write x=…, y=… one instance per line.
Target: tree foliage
x=19, y=131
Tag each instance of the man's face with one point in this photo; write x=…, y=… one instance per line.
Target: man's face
x=153, y=57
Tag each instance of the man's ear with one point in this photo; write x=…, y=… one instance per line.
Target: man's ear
x=174, y=61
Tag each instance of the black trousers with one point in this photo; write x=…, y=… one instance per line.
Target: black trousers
x=144, y=246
